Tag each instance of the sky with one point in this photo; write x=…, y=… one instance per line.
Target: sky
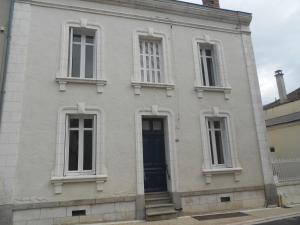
x=276, y=38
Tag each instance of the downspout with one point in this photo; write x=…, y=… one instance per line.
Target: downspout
x=6, y=50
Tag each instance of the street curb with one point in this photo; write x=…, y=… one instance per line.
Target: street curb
x=266, y=219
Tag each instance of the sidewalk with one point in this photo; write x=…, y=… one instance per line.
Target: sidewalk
x=255, y=216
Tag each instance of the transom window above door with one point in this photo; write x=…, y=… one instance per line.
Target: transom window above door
x=82, y=53
x=151, y=60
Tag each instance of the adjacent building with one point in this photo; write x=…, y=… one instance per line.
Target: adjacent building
x=283, y=122
x=125, y=109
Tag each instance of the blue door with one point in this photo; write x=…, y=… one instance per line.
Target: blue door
x=154, y=155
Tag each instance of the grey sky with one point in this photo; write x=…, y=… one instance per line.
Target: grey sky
x=276, y=38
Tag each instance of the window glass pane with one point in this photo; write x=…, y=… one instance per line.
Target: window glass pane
x=146, y=125
x=211, y=148
x=219, y=146
x=141, y=47
x=203, y=71
x=217, y=124
x=157, y=125
x=88, y=123
x=76, y=60
x=89, y=61
x=88, y=150
x=89, y=39
x=210, y=71
x=208, y=52
x=74, y=123
x=158, y=77
x=76, y=38
x=73, y=150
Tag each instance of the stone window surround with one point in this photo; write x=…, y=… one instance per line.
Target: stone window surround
x=219, y=64
x=136, y=78
x=62, y=77
x=58, y=178
x=170, y=148
x=207, y=168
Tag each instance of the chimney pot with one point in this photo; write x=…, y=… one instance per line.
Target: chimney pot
x=211, y=3
x=281, y=85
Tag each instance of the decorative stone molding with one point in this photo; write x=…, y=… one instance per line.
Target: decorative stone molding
x=62, y=77
x=208, y=169
x=58, y=177
x=219, y=66
x=171, y=156
x=59, y=181
x=136, y=82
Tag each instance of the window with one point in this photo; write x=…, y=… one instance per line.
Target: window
x=217, y=141
x=218, y=144
x=207, y=63
x=82, y=53
x=80, y=145
x=151, y=60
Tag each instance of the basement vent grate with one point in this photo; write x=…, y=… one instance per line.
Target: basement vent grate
x=225, y=199
x=220, y=216
x=78, y=213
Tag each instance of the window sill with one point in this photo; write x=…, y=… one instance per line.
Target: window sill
x=138, y=86
x=62, y=81
x=201, y=89
x=216, y=171
x=59, y=181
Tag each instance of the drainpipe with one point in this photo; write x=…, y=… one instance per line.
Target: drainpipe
x=6, y=50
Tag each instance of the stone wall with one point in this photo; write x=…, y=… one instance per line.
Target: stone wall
x=213, y=202
x=290, y=192
x=63, y=215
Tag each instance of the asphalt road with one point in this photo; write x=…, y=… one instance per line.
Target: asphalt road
x=289, y=221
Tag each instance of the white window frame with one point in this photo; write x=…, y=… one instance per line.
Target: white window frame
x=232, y=164
x=83, y=44
x=62, y=76
x=225, y=145
x=219, y=67
x=136, y=81
x=81, y=130
x=59, y=177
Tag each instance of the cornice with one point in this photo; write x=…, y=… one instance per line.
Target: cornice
x=177, y=8
x=184, y=9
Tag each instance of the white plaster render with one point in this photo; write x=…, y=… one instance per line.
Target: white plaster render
x=58, y=176
x=207, y=168
x=13, y=100
x=257, y=109
x=168, y=83
x=62, y=76
x=168, y=115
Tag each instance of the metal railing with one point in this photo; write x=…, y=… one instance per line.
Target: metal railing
x=286, y=169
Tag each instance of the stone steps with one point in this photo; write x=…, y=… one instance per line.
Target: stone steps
x=159, y=206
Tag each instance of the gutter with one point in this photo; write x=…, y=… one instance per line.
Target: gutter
x=6, y=50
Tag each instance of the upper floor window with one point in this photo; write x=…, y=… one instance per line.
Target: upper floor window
x=80, y=145
x=82, y=53
x=208, y=65
x=151, y=60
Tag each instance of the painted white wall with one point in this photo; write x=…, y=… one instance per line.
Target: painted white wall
x=42, y=100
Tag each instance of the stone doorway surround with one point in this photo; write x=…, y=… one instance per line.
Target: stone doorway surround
x=170, y=148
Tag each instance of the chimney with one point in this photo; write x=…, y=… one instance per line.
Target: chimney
x=280, y=85
x=211, y=3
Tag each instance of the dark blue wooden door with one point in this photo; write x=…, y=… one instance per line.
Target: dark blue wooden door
x=154, y=155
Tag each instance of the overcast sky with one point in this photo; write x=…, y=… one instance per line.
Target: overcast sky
x=276, y=38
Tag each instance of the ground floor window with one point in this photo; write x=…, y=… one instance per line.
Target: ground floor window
x=80, y=144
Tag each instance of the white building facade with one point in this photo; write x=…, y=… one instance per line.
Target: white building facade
x=108, y=101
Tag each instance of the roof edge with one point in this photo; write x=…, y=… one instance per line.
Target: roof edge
x=184, y=9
